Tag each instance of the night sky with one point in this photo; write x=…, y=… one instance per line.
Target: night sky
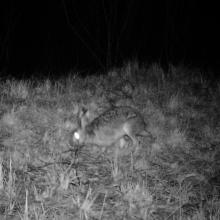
x=62, y=35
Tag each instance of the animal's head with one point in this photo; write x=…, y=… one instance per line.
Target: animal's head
x=79, y=135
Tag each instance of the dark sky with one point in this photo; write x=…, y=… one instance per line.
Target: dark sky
x=59, y=35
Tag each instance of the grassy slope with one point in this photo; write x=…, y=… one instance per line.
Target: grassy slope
x=174, y=176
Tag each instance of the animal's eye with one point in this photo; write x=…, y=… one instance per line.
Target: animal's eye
x=76, y=135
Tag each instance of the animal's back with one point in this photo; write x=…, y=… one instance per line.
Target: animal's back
x=116, y=115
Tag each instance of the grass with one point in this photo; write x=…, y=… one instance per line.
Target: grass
x=174, y=176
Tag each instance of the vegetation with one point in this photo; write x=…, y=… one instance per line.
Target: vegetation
x=173, y=176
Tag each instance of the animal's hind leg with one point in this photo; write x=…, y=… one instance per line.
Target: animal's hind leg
x=134, y=142
x=122, y=143
x=125, y=145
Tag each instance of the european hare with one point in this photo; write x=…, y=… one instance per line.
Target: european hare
x=110, y=127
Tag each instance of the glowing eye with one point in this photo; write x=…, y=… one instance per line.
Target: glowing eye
x=76, y=135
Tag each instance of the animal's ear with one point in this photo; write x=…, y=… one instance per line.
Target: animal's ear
x=84, y=117
x=83, y=112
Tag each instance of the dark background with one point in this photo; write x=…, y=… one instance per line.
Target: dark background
x=56, y=36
